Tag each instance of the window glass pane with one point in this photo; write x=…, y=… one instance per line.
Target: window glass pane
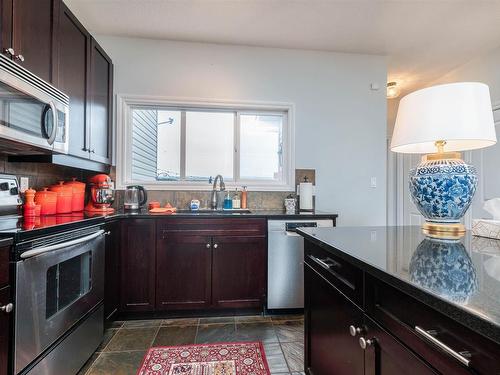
x=144, y=141
x=261, y=141
x=209, y=145
x=169, y=145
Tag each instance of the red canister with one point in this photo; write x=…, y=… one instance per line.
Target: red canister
x=78, y=200
x=64, y=197
x=47, y=200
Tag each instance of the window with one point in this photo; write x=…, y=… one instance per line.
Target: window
x=173, y=145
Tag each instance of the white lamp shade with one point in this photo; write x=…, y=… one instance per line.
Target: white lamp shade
x=458, y=113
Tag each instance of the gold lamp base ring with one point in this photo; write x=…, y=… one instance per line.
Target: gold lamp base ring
x=443, y=230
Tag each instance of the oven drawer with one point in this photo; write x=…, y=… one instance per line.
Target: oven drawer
x=343, y=275
x=442, y=342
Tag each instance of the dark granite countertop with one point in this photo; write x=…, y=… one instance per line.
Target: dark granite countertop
x=459, y=278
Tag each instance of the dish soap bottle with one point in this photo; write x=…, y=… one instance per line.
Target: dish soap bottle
x=228, y=202
x=244, y=198
x=236, y=200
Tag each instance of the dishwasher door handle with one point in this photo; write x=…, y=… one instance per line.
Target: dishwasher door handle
x=45, y=249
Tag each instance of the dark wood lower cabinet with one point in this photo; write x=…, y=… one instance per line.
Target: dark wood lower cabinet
x=238, y=271
x=329, y=347
x=137, y=261
x=183, y=269
x=112, y=269
x=5, y=319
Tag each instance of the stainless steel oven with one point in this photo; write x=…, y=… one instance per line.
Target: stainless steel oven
x=59, y=284
x=33, y=114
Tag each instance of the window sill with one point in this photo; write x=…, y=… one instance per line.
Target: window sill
x=169, y=186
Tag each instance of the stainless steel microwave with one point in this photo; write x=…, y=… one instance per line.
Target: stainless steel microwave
x=34, y=115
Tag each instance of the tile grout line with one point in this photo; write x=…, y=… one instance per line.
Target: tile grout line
x=281, y=348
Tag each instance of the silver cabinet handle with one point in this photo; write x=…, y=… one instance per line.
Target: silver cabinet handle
x=354, y=331
x=365, y=343
x=429, y=335
x=215, y=246
x=208, y=246
x=7, y=308
x=19, y=57
x=93, y=151
x=107, y=233
x=321, y=262
x=41, y=250
x=10, y=51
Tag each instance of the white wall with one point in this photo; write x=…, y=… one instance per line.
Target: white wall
x=340, y=123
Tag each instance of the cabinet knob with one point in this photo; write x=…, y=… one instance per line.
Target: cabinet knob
x=215, y=246
x=19, y=57
x=7, y=308
x=9, y=51
x=365, y=343
x=208, y=246
x=93, y=151
x=354, y=331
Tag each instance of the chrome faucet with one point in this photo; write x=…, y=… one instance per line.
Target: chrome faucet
x=214, y=189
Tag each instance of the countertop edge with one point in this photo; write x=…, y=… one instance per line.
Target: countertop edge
x=468, y=319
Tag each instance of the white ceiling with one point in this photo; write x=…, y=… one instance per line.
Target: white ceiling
x=422, y=39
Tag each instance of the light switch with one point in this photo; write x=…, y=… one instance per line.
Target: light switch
x=24, y=184
x=373, y=182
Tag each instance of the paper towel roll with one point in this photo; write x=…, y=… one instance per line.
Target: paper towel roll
x=306, y=196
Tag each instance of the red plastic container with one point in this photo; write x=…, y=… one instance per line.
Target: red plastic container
x=47, y=200
x=64, y=197
x=78, y=200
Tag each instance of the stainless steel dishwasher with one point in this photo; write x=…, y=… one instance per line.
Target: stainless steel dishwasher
x=285, y=277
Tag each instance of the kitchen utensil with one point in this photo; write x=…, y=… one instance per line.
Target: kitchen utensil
x=47, y=200
x=135, y=197
x=101, y=195
x=64, y=197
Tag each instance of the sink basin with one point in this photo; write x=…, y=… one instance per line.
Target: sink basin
x=217, y=212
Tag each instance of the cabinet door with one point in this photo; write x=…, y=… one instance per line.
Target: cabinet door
x=138, y=265
x=183, y=268
x=6, y=26
x=329, y=347
x=239, y=271
x=100, y=101
x=384, y=355
x=32, y=37
x=73, y=60
x=112, y=266
x=5, y=320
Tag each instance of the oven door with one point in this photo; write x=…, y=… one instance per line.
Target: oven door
x=56, y=286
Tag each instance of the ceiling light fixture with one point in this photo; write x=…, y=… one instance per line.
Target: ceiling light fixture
x=392, y=90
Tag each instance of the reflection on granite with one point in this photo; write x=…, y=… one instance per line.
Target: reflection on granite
x=465, y=274
x=444, y=267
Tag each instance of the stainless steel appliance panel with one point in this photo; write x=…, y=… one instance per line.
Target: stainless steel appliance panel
x=56, y=285
x=72, y=353
x=285, y=280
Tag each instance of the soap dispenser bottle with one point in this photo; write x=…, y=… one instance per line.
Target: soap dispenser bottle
x=228, y=202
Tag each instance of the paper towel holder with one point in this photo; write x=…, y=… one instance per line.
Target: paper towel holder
x=306, y=196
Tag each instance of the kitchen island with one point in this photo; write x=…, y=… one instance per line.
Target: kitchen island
x=388, y=300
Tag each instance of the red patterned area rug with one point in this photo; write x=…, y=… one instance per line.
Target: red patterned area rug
x=234, y=358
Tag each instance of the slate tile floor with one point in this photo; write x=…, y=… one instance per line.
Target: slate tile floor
x=126, y=343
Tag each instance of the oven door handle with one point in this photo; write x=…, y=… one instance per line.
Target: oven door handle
x=41, y=250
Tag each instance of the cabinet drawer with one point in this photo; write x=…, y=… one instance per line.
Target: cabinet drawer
x=4, y=266
x=442, y=342
x=213, y=226
x=344, y=276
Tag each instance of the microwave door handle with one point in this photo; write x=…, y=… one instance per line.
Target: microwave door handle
x=41, y=250
x=52, y=136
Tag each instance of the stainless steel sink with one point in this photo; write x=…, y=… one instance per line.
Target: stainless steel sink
x=216, y=212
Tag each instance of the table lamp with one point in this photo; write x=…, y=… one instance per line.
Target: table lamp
x=440, y=121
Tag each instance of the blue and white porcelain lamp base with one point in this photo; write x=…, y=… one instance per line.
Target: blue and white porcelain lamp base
x=442, y=187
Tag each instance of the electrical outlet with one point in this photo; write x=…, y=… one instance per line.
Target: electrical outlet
x=24, y=184
x=373, y=182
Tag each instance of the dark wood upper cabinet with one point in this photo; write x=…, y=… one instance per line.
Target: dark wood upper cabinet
x=6, y=27
x=72, y=78
x=32, y=35
x=137, y=260
x=183, y=268
x=238, y=271
x=329, y=347
x=100, y=103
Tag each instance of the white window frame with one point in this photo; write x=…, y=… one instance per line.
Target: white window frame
x=125, y=104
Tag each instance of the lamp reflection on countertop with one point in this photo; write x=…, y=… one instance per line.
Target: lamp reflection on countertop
x=444, y=267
